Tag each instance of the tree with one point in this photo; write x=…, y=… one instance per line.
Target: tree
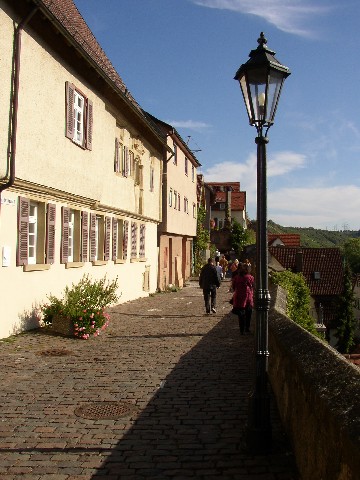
x=240, y=237
x=202, y=240
x=345, y=322
x=351, y=251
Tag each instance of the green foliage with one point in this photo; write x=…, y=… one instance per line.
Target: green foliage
x=351, y=251
x=346, y=323
x=84, y=303
x=202, y=240
x=298, y=298
x=313, y=237
x=240, y=237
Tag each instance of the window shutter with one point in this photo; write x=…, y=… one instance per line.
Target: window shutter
x=92, y=237
x=23, y=231
x=64, y=254
x=69, y=110
x=142, y=240
x=89, y=124
x=107, y=238
x=116, y=162
x=114, y=238
x=125, y=239
x=84, y=236
x=126, y=160
x=50, y=233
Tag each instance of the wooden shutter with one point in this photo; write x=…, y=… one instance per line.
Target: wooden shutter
x=116, y=161
x=107, y=238
x=92, y=237
x=84, y=236
x=114, y=238
x=142, y=240
x=23, y=231
x=125, y=239
x=89, y=124
x=126, y=161
x=69, y=110
x=64, y=254
x=50, y=233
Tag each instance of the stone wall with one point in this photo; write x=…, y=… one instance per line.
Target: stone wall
x=318, y=396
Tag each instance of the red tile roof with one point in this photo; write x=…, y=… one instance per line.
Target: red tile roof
x=327, y=262
x=238, y=199
x=288, y=239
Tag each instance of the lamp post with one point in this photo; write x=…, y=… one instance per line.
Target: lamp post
x=261, y=79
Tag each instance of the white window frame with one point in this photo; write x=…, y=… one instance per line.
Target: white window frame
x=79, y=114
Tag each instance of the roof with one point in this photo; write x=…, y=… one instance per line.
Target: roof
x=238, y=199
x=325, y=263
x=288, y=239
x=67, y=18
x=234, y=185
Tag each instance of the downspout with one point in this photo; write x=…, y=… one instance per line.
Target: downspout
x=15, y=100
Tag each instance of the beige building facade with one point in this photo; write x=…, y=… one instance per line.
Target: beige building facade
x=177, y=230
x=81, y=165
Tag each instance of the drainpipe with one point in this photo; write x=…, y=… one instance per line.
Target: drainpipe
x=15, y=99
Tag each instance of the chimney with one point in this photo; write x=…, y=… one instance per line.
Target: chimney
x=299, y=261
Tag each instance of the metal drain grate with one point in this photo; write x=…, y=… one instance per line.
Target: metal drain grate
x=105, y=410
x=55, y=352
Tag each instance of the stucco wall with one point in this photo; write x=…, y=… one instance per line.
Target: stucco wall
x=317, y=393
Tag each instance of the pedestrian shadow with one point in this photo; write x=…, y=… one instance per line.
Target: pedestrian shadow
x=193, y=426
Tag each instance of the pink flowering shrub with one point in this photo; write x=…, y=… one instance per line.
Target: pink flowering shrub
x=84, y=303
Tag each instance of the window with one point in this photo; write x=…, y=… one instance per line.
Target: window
x=142, y=241
x=79, y=117
x=151, y=176
x=194, y=210
x=122, y=159
x=186, y=205
x=100, y=233
x=186, y=166
x=170, y=197
x=175, y=154
x=74, y=236
x=178, y=201
x=134, y=229
x=193, y=173
x=36, y=233
x=175, y=199
x=222, y=206
x=119, y=239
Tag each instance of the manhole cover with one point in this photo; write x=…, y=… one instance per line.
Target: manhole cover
x=55, y=352
x=105, y=410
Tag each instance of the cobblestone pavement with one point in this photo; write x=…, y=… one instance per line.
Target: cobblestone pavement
x=162, y=394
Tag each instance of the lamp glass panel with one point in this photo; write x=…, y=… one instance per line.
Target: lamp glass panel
x=244, y=89
x=257, y=79
x=276, y=80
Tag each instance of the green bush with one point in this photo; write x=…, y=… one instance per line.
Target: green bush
x=298, y=298
x=84, y=303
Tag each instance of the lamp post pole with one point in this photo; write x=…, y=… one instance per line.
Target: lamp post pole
x=261, y=79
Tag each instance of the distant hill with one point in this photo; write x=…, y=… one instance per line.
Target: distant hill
x=313, y=237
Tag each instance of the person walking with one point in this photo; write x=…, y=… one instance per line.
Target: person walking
x=224, y=264
x=209, y=282
x=219, y=269
x=243, y=297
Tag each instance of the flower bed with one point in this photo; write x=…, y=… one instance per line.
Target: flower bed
x=81, y=310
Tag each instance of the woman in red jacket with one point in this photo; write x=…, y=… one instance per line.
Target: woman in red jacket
x=243, y=298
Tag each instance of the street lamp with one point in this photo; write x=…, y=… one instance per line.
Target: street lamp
x=261, y=79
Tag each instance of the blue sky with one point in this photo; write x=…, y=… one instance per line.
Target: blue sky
x=178, y=58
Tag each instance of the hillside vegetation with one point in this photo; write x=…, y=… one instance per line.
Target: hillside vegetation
x=313, y=237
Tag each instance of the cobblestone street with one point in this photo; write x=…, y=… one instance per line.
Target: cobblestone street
x=161, y=394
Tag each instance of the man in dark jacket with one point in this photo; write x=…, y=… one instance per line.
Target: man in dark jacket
x=209, y=281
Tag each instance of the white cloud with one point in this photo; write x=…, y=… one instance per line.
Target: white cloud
x=189, y=124
x=287, y=15
x=315, y=206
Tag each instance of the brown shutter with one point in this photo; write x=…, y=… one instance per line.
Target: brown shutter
x=69, y=110
x=125, y=239
x=116, y=162
x=126, y=161
x=89, y=124
x=84, y=236
x=64, y=254
x=92, y=237
x=107, y=238
x=50, y=233
x=114, y=237
x=23, y=231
